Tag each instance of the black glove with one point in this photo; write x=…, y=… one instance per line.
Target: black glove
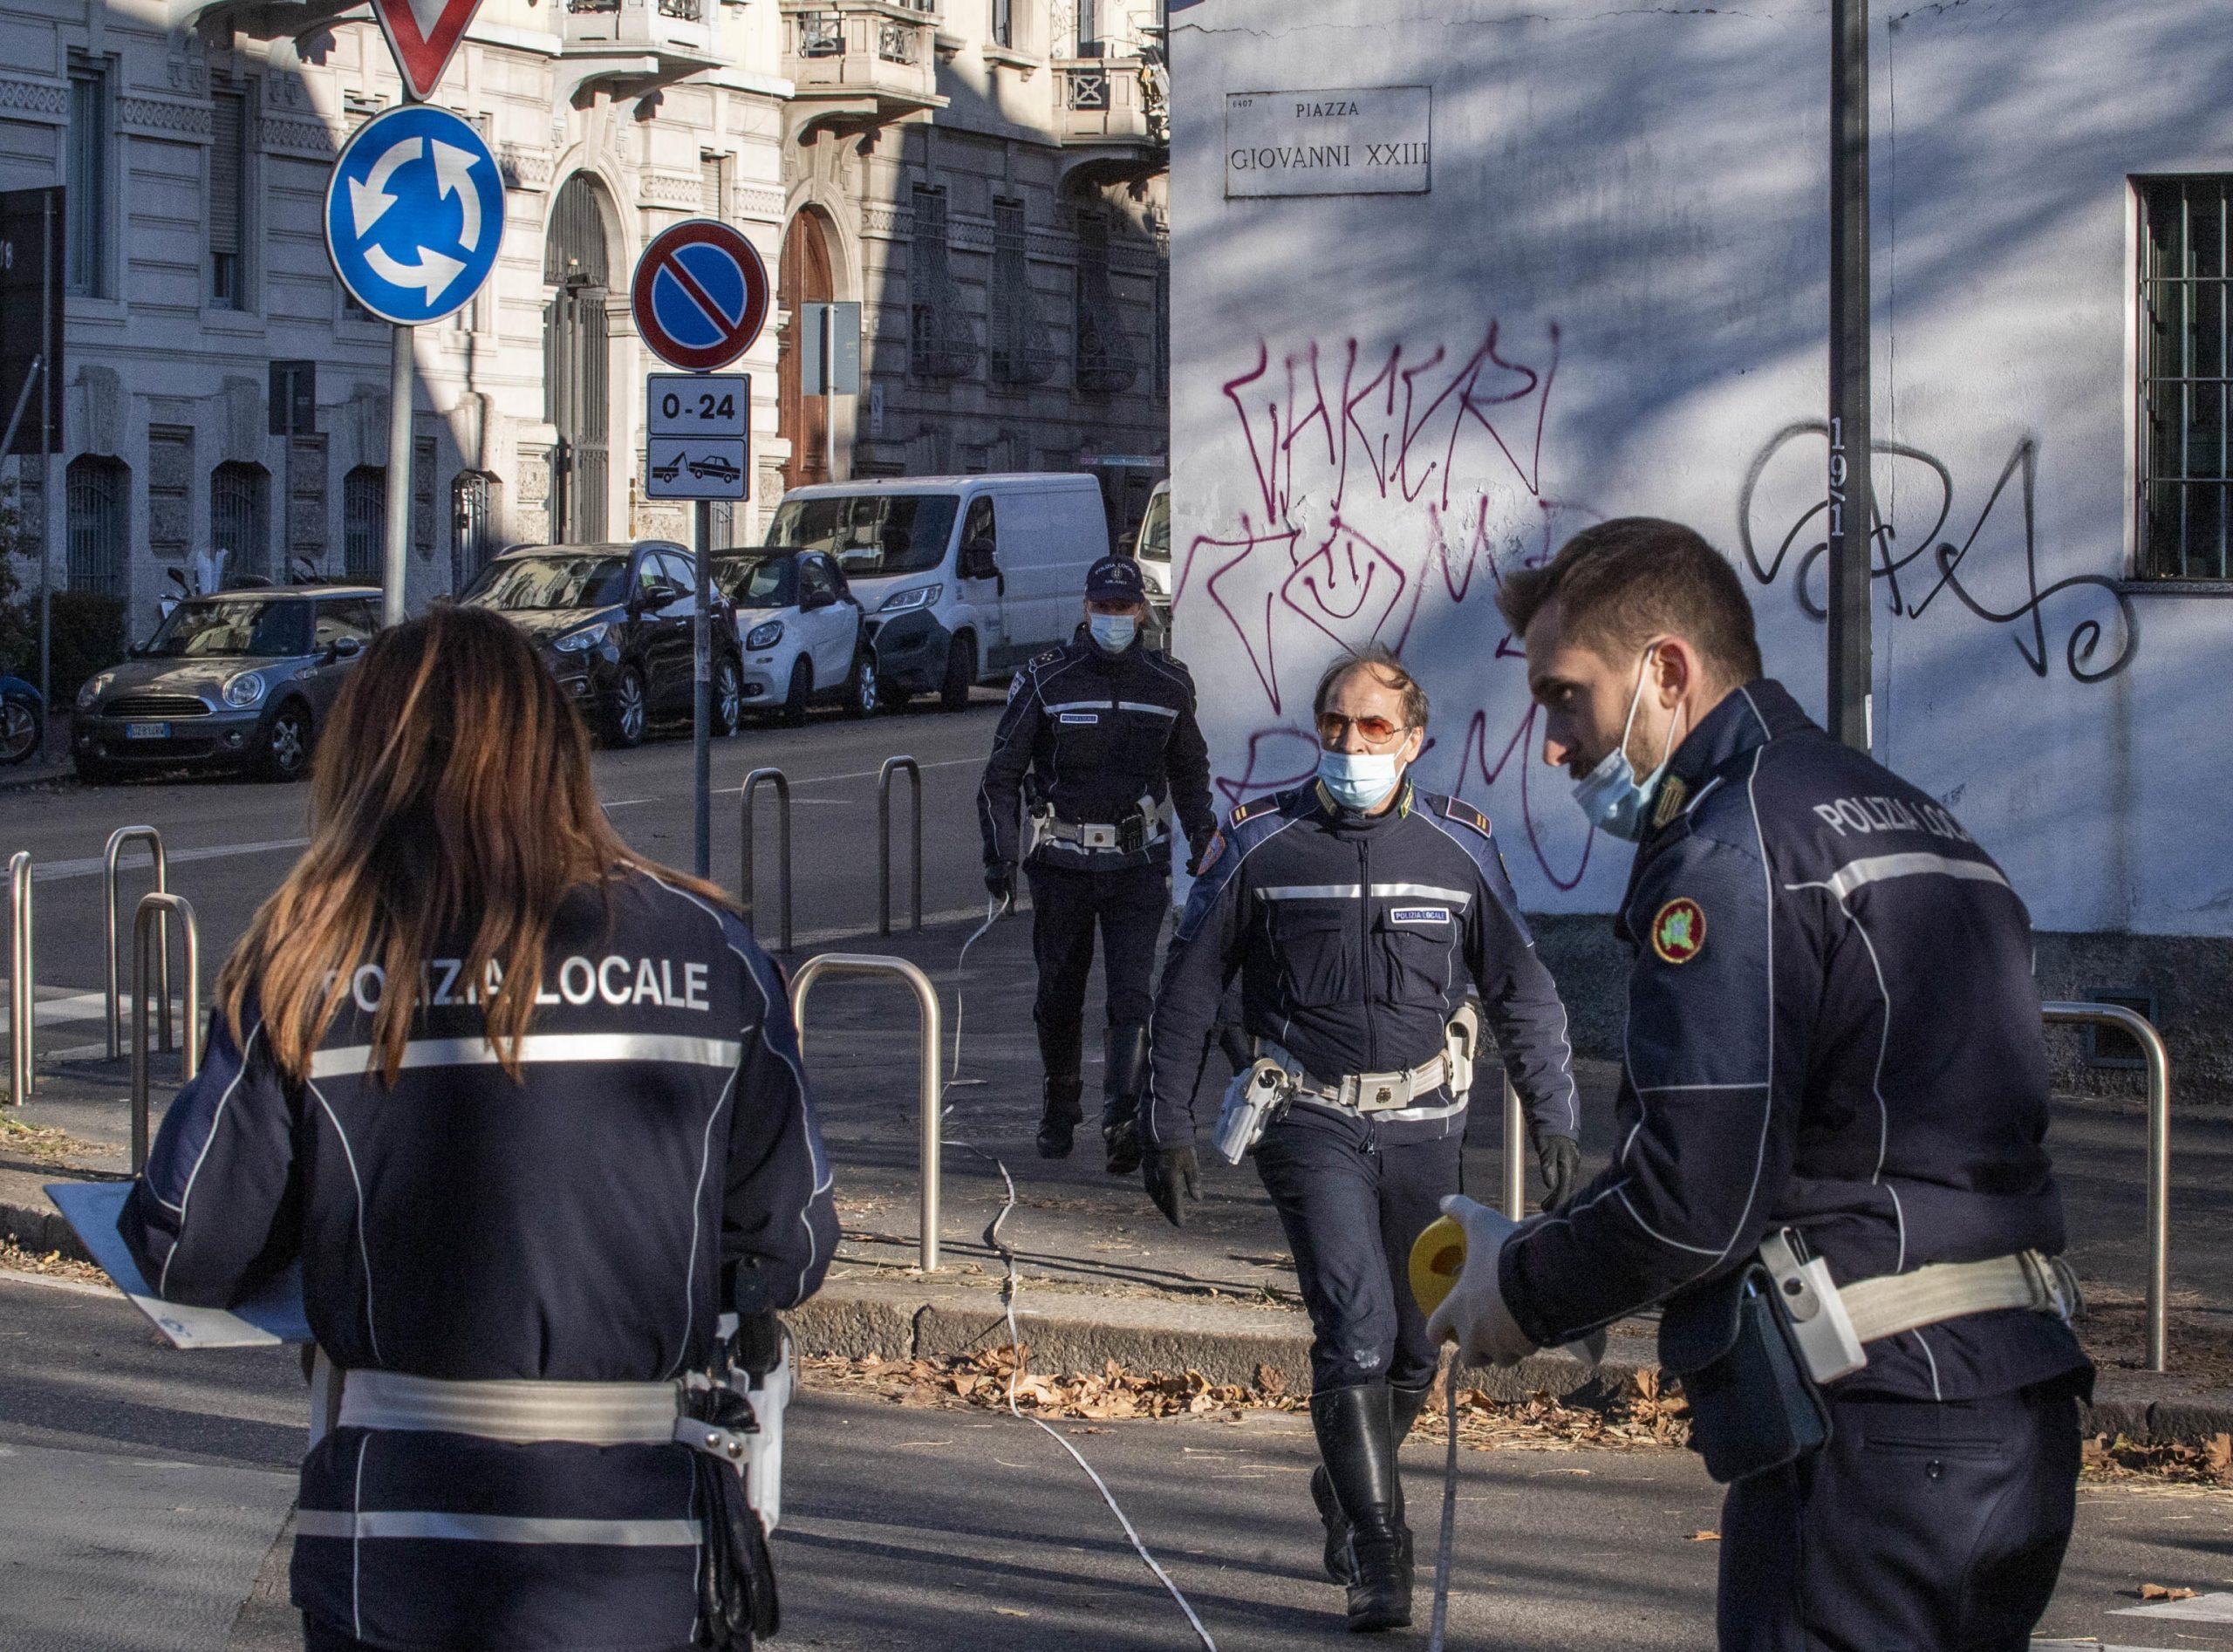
x=1194, y=861
x=1172, y=1177
x=999, y=883
x=1560, y=1160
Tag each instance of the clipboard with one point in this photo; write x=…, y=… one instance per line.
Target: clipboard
x=272, y=1314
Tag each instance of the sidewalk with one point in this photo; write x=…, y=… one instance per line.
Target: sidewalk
x=1103, y=1277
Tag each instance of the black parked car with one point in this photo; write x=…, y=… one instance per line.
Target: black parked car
x=240, y=679
x=615, y=623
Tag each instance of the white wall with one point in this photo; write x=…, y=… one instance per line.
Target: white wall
x=1613, y=302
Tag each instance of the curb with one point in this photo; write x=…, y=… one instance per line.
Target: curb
x=856, y=1316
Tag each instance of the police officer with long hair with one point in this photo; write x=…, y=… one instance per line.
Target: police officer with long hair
x=1358, y=913
x=528, y=1109
x=1098, y=735
x=1832, y=1177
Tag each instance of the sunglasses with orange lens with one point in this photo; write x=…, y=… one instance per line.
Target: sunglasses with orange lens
x=1332, y=725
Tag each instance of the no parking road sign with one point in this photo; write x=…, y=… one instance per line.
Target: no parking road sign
x=414, y=213
x=699, y=294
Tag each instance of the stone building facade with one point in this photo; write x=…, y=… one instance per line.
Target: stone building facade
x=995, y=207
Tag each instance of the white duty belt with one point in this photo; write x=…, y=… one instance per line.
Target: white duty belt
x=522, y=1412
x=1364, y=1092
x=1832, y=1323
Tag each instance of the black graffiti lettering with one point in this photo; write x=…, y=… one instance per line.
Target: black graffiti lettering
x=1897, y=554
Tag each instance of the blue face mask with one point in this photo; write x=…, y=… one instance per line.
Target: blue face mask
x=1616, y=802
x=1358, y=779
x=1112, y=633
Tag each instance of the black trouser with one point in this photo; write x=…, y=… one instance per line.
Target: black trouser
x=317, y=1637
x=1920, y=1525
x=1065, y=904
x=1352, y=1202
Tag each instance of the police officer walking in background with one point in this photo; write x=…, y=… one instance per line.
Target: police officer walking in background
x=1097, y=735
x=1835, y=1098
x=1358, y=913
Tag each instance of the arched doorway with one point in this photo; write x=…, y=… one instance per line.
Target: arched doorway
x=805, y=278
x=576, y=360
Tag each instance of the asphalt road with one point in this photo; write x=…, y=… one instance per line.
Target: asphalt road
x=146, y=1494
x=230, y=841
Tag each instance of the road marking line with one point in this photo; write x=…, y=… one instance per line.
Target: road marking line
x=90, y=866
x=863, y=773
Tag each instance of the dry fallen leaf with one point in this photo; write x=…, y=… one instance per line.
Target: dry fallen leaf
x=1703, y=1537
x=2161, y=1591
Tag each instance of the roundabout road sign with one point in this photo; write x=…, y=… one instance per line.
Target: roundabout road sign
x=414, y=213
x=699, y=294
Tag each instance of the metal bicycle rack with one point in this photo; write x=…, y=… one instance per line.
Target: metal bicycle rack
x=22, y=983
x=891, y=766
x=150, y=918
x=1515, y=1153
x=2142, y=1032
x=746, y=887
x=117, y=840
x=928, y=1101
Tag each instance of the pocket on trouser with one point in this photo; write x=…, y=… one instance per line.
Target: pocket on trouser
x=2011, y=1578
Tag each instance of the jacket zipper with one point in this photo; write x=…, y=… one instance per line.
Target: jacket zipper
x=1365, y=952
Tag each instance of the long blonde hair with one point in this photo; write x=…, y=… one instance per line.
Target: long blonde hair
x=451, y=793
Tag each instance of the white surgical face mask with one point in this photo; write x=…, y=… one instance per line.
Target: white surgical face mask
x=1359, y=779
x=1112, y=633
x=1612, y=797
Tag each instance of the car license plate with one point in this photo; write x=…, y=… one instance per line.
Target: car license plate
x=147, y=731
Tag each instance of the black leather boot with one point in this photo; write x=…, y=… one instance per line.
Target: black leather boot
x=1123, y=1076
x=1404, y=1406
x=1058, y=1058
x=1060, y=1116
x=1355, y=1436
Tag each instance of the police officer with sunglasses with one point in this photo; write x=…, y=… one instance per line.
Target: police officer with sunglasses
x=1098, y=733
x=1358, y=912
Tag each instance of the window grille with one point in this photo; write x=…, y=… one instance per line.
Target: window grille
x=98, y=505
x=2186, y=516
x=1105, y=362
x=364, y=522
x=940, y=342
x=240, y=519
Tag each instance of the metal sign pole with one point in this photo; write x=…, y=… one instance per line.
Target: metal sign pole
x=701, y=716
x=1852, y=504
x=394, y=558
x=46, y=513
x=829, y=392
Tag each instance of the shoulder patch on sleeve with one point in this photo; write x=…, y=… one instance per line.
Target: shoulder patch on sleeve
x=1466, y=815
x=1249, y=811
x=1046, y=658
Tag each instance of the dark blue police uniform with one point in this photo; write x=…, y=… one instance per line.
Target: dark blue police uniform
x=658, y=1166
x=1356, y=938
x=1834, y=1029
x=1092, y=744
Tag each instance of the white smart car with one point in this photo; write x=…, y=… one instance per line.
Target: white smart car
x=802, y=633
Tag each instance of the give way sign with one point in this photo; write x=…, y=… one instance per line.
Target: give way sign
x=423, y=34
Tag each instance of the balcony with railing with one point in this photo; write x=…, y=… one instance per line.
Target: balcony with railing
x=862, y=62
x=1112, y=101
x=677, y=30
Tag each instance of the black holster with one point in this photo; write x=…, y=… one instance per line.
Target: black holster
x=1754, y=1407
x=736, y=1576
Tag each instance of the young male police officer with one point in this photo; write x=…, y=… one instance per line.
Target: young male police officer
x=1834, y=1045
x=1358, y=911
x=1097, y=735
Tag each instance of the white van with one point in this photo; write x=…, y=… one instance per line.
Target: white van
x=963, y=577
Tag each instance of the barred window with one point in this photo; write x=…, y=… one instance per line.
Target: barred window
x=1008, y=318
x=940, y=339
x=364, y=523
x=2186, y=517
